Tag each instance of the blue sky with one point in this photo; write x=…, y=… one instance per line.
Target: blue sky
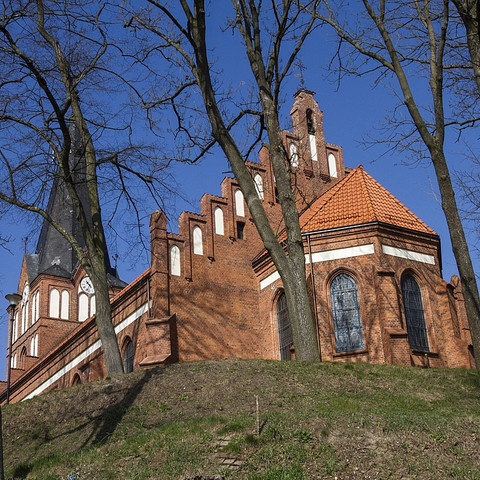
x=350, y=113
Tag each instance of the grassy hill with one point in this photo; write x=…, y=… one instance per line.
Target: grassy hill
x=199, y=420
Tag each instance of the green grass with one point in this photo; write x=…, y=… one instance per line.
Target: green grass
x=318, y=421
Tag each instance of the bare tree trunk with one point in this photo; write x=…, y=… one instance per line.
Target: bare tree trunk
x=469, y=11
x=435, y=37
x=460, y=248
x=103, y=318
x=292, y=267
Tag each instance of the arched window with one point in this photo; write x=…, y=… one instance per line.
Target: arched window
x=16, y=327
x=65, y=305
x=14, y=361
x=219, y=228
x=258, y=185
x=93, y=306
x=23, y=354
x=86, y=299
x=332, y=165
x=128, y=355
x=311, y=135
x=285, y=337
x=82, y=307
x=239, y=206
x=34, y=313
x=36, y=345
x=197, y=241
x=293, y=155
x=414, y=314
x=347, y=322
x=310, y=125
x=37, y=308
x=54, y=311
x=25, y=296
x=175, y=260
x=76, y=379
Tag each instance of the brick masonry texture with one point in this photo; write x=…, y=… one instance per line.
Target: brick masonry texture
x=215, y=307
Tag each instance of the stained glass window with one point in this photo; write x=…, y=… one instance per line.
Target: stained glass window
x=285, y=336
x=128, y=357
x=414, y=314
x=347, y=321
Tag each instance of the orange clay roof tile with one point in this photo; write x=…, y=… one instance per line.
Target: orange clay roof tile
x=358, y=199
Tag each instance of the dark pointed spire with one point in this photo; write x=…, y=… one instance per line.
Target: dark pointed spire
x=54, y=254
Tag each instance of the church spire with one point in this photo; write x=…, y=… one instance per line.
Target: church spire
x=54, y=254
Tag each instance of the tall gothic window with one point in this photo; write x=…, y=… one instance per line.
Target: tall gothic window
x=332, y=165
x=128, y=357
x=239, y=206
x=25, y=297
x=310, y=126
x=347, y=322
x=258, y=185
x=65, y=304
x=311, y=136
x=197, y=241
x=285, y=337
x=293, y=155
x=86, y=299
x=219, y=227
x=54, y=309
x=175, y=261
x=414, y=314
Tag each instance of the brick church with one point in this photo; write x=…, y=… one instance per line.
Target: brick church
x=212, y=291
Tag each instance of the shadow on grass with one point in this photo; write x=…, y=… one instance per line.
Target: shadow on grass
x=105, y=424
x=22, y=470
x=101, y=426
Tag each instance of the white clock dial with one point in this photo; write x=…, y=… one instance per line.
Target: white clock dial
x=87, y=286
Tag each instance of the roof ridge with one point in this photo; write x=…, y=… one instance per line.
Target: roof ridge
x=356, y=199
x=368, y=194
x=327, y=196
x=397, y=201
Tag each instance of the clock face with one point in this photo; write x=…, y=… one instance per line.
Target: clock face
x=87, y=286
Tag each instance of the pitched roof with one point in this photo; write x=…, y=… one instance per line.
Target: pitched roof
x=358, y=199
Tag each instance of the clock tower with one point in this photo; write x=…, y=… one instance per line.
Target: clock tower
x=56, y=293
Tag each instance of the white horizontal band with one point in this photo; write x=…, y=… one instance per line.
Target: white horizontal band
x=408, y=254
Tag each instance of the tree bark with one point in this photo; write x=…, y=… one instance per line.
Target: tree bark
x=436, y=39
x=469, y=11
x=291, y=267
x=460, y=248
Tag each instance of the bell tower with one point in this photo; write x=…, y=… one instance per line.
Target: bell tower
x=314, y=163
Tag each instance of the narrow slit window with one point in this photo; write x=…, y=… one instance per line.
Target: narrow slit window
x=219, y=227
x=293, y=155
x=239, y=205
x=175, y=261
x=259, y=185
x=240, y=230
x=332, y=165
x=197, y=241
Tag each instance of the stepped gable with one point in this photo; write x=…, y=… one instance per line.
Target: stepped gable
x=359, y=199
